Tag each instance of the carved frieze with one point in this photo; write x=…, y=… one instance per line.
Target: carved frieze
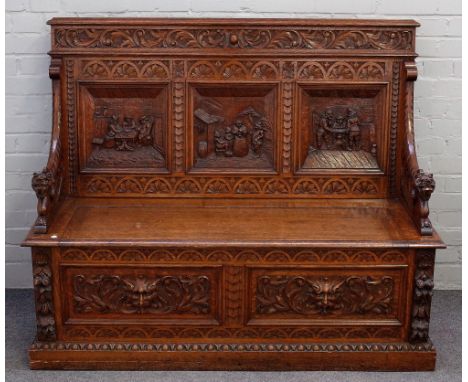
x=143, y=294
x=324, y=295
x=236, y=256
x=91, y=332
x=232, y=38
x=124, y=69
x=339, y=70
x=316, y=186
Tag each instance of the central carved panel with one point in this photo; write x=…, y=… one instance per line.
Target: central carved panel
x=233, y=127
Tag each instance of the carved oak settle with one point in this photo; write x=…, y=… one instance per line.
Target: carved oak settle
x=233, y=194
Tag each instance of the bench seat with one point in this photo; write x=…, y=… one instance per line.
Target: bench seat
x=174, y=222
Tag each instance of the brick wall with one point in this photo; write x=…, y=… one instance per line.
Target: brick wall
x=437, y=103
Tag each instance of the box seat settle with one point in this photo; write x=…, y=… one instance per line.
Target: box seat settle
x=233, y=195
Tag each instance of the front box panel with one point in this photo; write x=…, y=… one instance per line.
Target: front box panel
x=152, y=294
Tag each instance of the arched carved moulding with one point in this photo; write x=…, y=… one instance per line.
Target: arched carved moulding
x=234, y=186
x=342, y=70
x=234, y=70
x=237, y=255
x=273, y=69
x=232, y=38
x=132, y=185
x=127, y=332
x=124, y=69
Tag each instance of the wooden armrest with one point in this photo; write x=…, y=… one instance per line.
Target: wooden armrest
x=416, y=184
x=47, y=184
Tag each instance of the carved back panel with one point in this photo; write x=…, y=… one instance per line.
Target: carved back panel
x=240, y=108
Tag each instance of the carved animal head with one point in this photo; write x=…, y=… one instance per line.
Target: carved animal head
x=425, y=184
x=327, y=294
x=42, y=182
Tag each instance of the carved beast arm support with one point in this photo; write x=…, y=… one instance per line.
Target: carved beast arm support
x=416, y=184
x=47, y=183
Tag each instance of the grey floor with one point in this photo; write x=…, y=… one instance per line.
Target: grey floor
x=445, y=332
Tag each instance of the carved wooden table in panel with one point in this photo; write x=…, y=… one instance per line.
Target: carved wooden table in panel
x=233, y=195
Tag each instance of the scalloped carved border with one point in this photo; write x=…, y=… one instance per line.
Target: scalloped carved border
x=342, y=70
x=314, y=38
x=371, y=187
x=127, y=332
x=232, y=70
x=124, y=69
x=236, y=255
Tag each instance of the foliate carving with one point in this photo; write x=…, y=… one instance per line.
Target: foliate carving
x=342, y=70
x=234, y=290
x=232, y=185
x=234, y=70
x=236, y=347
x=153, y=38
x=325, y=295
x=142, y=294
x=42, y=279
x=236, y=255
x=422, y=295
x=102, y=69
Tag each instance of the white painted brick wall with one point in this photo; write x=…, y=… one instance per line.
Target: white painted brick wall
x=437, y=101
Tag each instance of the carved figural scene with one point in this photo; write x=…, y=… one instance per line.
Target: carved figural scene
x=123, y=127
x=233, y=127
x=341, y=128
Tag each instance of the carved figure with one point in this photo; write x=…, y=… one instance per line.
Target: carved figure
x=337, y=128
x=128, y=135
x=240, y=146
x=354, y=131
x=258, y=135
x=247, y=132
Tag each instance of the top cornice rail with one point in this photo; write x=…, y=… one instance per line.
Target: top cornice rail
x=267, y=34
